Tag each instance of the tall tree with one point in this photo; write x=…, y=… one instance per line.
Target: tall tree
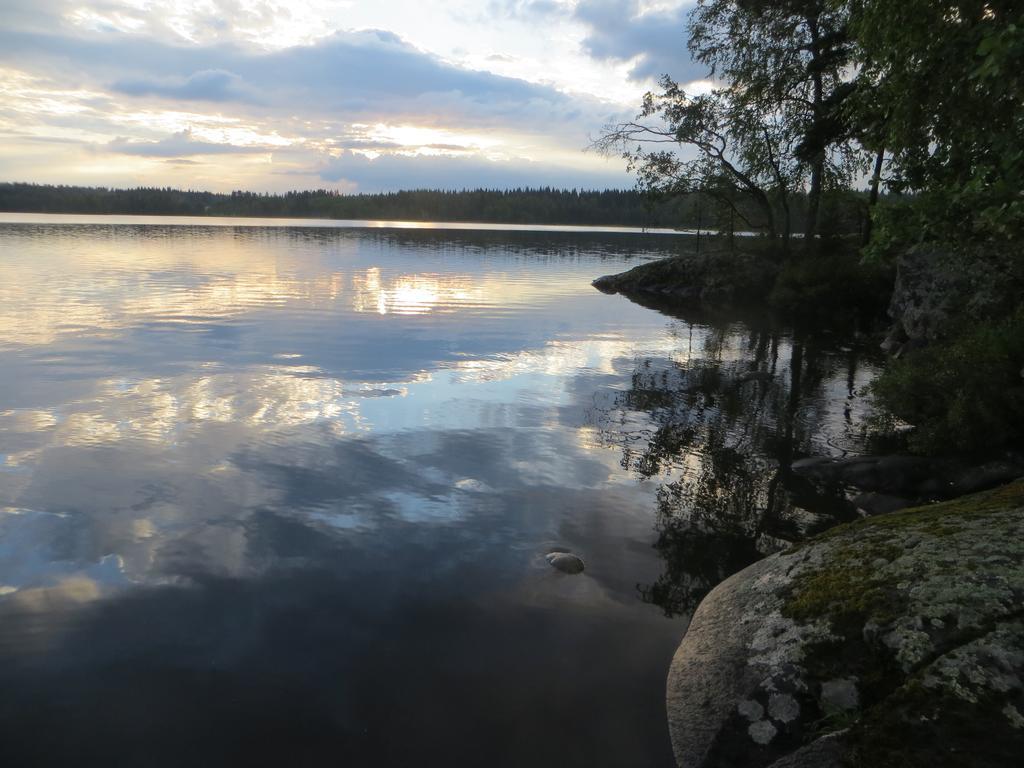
x=789, y=59
x=715, y=144
x=947, y=79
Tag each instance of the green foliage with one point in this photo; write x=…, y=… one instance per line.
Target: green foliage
x=787, y=62
x=921, y=727
x=789, y=59
x=963, y=395
x=774, y=129
x=942, y=88
x=741, y=161
x=898, y=224
x=831, y=282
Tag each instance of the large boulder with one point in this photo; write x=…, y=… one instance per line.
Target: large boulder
x=938, y=288
x=893, y=641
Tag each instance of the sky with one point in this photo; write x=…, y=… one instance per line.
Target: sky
x=353, y=95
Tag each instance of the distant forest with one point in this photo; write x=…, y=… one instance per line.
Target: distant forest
x=610, y=207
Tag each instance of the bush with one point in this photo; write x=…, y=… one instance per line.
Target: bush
x=831, y=282
x=964, y=395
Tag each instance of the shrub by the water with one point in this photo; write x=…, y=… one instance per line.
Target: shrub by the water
x=964, y=395
x=835, y=280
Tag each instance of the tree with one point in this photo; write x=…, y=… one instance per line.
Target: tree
x=736, y=153
x=942, y=86
x=790, y=60
x=777, y=125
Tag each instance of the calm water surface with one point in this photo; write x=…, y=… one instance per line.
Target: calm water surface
x=281, y=495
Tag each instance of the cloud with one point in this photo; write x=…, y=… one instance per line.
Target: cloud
x=180, y=144
x=367, y=145
x=527, y=9
x=356, y=74
x=137, y=92
x=206, y=85
x=654, y=41
x=461, y=172
x=449, y=147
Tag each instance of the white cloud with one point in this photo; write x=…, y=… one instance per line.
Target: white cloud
x=223, y=85
x=178, y=145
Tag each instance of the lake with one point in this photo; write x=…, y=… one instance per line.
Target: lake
x=278, y=494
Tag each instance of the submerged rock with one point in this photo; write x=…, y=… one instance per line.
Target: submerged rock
x=887, y=483
x=566, y=562
x=874, y=503
x=893, y=641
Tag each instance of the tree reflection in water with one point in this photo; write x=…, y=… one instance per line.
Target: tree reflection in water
x=719, y=425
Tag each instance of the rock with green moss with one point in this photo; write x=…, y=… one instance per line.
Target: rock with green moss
x=894, y=641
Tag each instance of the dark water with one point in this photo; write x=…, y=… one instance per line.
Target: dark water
x=281, y=496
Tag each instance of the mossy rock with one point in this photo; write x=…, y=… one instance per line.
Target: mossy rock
x=900, y=638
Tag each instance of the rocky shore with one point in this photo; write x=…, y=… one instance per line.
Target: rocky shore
x=719, y=277
x=897, y=640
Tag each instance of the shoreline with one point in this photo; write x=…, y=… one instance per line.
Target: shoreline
x=214, y=220
x=815, y=656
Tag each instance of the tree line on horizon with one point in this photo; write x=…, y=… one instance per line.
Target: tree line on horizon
x=540, y=205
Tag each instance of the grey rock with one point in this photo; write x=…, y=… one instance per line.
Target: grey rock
x=735, y=642
x=875, y=503
x=936, y=287
x=762, y=732
x=751, y=710
x=891, y=475
x=825, y=752
x=808, y=463
x=839, y=695
x=987, y=475
x=711, y=277
x=783, y=707
x=566, y=562
x=747, y=685
x=887, y=474
x=885, y=484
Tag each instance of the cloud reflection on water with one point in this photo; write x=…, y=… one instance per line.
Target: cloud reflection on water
x=290, y=411
x=321, y=468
